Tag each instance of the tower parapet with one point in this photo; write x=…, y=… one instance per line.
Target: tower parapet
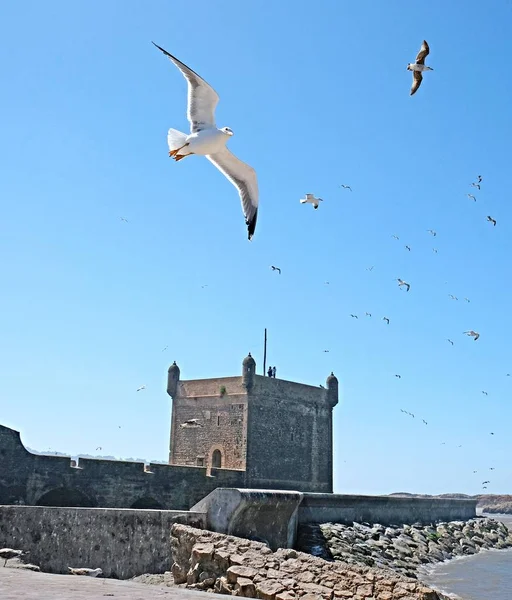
x=173, y=378
x=248, y=371
x=332, y=390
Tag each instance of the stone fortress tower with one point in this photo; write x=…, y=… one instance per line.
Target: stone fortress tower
x=278, y=432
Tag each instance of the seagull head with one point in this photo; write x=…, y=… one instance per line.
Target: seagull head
x=409, y=67
x=227, y=131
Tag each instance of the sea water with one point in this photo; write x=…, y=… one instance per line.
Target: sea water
x=483, y=576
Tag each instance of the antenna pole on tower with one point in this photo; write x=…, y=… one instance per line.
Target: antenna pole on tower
x=265, y=353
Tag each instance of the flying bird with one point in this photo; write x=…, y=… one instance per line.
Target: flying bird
x=347, y=187
x=123, y=219
x=472, y=334
x=453, y=297
x=369, y=268
x=491, y=220
x=385, y=319
x=479, y=179
x=485, y=393
x=86, y=572
x=99, y=448
x=354, y=316
x=449, y=341
x=190, y=423
x=205, y=139
x=142, y=387
x=491, y=469
x=467, y=299
x=418, y=67
x=471, y=197
x=434, y=250
x=484, y=482
x=431, y=231
x=164, y=349
x=399, y=376
x=424, y=421
x=401, y=282
x=326, y=350
x=477, y=185
x=275, y=269
x=368, y=314
x=395, y=237
x=310, y=199
x=491, y=433
x=408, y=248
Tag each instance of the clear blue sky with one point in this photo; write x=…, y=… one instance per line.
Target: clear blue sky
x=317, y=94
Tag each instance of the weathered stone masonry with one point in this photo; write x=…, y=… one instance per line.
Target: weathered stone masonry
x=254, y=432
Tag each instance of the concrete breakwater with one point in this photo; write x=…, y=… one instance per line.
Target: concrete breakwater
x=403, y=549
x=229, y=565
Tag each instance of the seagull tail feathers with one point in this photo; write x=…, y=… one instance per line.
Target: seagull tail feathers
x=175, y=139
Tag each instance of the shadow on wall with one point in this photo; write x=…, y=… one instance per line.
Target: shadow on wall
x=65, y=497
x=147, y=502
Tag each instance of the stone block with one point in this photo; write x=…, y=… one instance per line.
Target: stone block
x=267, y=590
x=245, y=587
x=236, y=571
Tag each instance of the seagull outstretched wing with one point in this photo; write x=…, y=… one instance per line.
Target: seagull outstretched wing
x=202, y=98
x=423, y=53
x=417, y=78
x=243, y=177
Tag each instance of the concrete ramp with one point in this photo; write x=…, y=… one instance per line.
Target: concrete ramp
x=263, y=515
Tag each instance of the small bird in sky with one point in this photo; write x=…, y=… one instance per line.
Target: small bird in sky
x=467, y=299
x=369, y=268
x=326, y=350
x=354, y=316
x=326, y=282
x=424, y=421
x=385, y=319
x=485, y=393
x=491, y=220
x=191, y=423
x=479, y=179
x=310, y=199
x=475, y=471
x=368, y=314
x=399, y=376
x=491, y=469
x=347, y=187
x=472, y=334
x=401, y=282
x=142, y=387
x=453, y=297
x=432, y=232
x=449, y=341
x=275, y=269
x=164, y=349
x=484, y=487
x=471, y=197
x=477, y=185
x=123, y=219
x=491, y=433
x=395, y=237
x=99, y=448
x=508, y=374
x=434, y=250
x=418, y=67
x=484, y=482
x=408, y=248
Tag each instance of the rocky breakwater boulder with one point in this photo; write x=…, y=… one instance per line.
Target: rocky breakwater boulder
x=403, y=549
x=228, y=565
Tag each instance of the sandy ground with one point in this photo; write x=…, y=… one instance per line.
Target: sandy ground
x=19, y=584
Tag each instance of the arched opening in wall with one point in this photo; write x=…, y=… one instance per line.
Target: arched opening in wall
x=216, y=459
x=146, y=502
x=65, y=497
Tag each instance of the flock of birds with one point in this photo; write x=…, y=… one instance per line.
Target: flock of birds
x=206, y=139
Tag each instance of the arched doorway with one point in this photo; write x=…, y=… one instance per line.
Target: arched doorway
x=146, y=502
x=65, y=497
x=216, y=459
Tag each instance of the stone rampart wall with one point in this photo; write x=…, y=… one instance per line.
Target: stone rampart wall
x=386, y=510
x=123, y=542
